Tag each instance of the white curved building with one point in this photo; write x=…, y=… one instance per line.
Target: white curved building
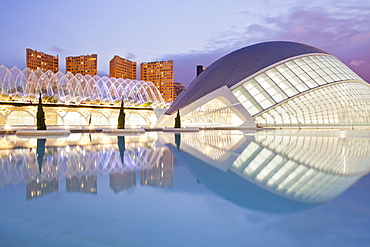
x=73, y=99
x=277, y=84
x=26, y=85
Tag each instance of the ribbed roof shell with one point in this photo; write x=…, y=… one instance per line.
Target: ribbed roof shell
x=238, y=65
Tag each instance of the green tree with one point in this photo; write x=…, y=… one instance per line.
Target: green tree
x=40, y=116
x=178, y=120
x=121, y=117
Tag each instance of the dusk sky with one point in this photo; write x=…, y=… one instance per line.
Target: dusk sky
x=189, y=32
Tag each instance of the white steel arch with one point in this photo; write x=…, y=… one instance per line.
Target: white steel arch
x=76, y=89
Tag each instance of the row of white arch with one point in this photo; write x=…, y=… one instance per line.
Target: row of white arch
x=17, y=167
x=26, y=85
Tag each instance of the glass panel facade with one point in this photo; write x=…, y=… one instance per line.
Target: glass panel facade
x=213, y=112
x=291, y=78
x=339, y=104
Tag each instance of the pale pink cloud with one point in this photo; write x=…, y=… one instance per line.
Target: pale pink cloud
x=365, y=36
x=296, y=30
x=357, y=62
x=342, y=30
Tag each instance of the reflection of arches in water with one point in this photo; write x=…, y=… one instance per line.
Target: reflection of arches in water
x=272, y=173
x=19, y=165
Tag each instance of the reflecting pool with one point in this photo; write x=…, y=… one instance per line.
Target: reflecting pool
x=212, y=188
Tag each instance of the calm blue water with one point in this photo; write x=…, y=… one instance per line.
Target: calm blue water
x=212, y=188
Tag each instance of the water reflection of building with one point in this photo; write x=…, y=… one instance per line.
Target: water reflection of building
x=84, y=184
x=40, y=187
x=306, y=168
x=74, y=156
x=122, y=180
x=287, y=172
x=161, y=175
x=76, y=159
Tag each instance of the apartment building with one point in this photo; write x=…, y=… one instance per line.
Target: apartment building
x=40, y=60
x=178, y=88
x=161, y=73
x=122, y=68
x=84, y=64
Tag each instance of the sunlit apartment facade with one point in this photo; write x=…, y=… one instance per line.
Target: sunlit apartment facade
x=178, y=88
x=122, y=68
x=161, y=73
x=84, y=64
x=40, y=60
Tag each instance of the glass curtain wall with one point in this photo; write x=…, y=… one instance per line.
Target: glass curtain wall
x=214, y=112
x=337, y=104
x=283, y=95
